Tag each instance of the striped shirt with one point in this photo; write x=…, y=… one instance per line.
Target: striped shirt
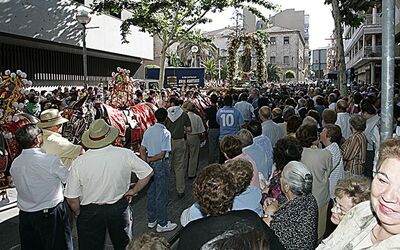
x=337, y=163
x=354, y=153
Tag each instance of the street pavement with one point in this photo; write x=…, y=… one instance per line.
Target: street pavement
x=9, y=235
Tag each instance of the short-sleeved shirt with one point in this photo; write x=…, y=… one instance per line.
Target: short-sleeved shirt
x=211, y=114
x=257, y=154
x=229, y=119
x=266, y=145
x=177, y=127
x=55, y=144
x=343, y=121
x=38, y=178
x=246, y=109
x=157, y=139
x=196, y=124
x=102, y=176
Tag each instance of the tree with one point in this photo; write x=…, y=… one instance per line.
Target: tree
x=346, y=12
x=174, y=60
x=273, y=72
x=211, y=69
x=206, y=49
x=170, y=20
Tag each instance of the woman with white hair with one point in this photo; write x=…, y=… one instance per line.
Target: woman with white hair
x=296, y=221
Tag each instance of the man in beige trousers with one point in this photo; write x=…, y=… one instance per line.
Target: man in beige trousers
x=193, y=140
x=178, y=123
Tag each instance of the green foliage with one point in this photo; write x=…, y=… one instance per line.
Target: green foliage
x=351, y=10
x=174, y=60
x=211, y=69
x=206, y=48
x=224, y=71
x=273, y=72
x=172, y=17
x=170, y=20
x=249, y=41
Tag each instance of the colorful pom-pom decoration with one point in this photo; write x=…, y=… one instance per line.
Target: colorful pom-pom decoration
x=13, y=91
x=123, y=89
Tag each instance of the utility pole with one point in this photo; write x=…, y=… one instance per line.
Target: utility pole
x=388, y=64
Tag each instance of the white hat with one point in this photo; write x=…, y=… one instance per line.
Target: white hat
x=99, y=135
x=50, y=118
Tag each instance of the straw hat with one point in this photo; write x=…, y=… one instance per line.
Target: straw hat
x=50, y=118
x=99, y=135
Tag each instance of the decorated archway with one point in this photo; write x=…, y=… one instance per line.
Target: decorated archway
x=249, y=42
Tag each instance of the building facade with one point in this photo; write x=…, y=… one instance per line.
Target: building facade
x=363, y=47
x=289, y=19
x=44, y=39
x=287, y=51
x=220, y=39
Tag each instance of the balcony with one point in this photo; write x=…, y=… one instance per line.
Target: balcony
x=369, y=19
x=370, y=53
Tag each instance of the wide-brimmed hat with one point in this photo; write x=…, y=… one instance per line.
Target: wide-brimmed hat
x=50, y=118
x=99, y=135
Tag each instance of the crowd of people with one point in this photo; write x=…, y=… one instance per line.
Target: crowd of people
x=290, y=167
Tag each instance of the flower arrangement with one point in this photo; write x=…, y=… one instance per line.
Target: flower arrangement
x=256, y=41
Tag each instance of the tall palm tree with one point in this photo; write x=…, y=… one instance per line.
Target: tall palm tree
x=273, y=72
x=206, y=49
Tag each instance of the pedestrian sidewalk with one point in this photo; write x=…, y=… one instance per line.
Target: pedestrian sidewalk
x=9, y=234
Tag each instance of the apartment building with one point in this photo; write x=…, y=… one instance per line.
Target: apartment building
x=287, y=51
x=44, y=39
x=363, y=47
x=289, y=19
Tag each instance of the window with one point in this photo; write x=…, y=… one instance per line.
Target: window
x=272, y=59
x=285, y=40
x=272, y=40
x=285, y=60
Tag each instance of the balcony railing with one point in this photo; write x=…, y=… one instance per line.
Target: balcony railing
x=369, y=19
x=371, y=52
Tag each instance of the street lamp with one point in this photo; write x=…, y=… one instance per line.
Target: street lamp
x=83, y=18
x=194, y=50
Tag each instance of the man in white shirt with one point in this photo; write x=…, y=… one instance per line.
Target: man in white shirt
x=245, y=107
x=51, y=122
x=372, y=132
x=38, y=177
x=98, y=191
x=156, y=145
x=343, y=118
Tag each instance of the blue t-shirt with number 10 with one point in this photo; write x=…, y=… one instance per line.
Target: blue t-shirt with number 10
x=229, y=119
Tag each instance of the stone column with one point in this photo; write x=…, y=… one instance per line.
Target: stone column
x=372, y=72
